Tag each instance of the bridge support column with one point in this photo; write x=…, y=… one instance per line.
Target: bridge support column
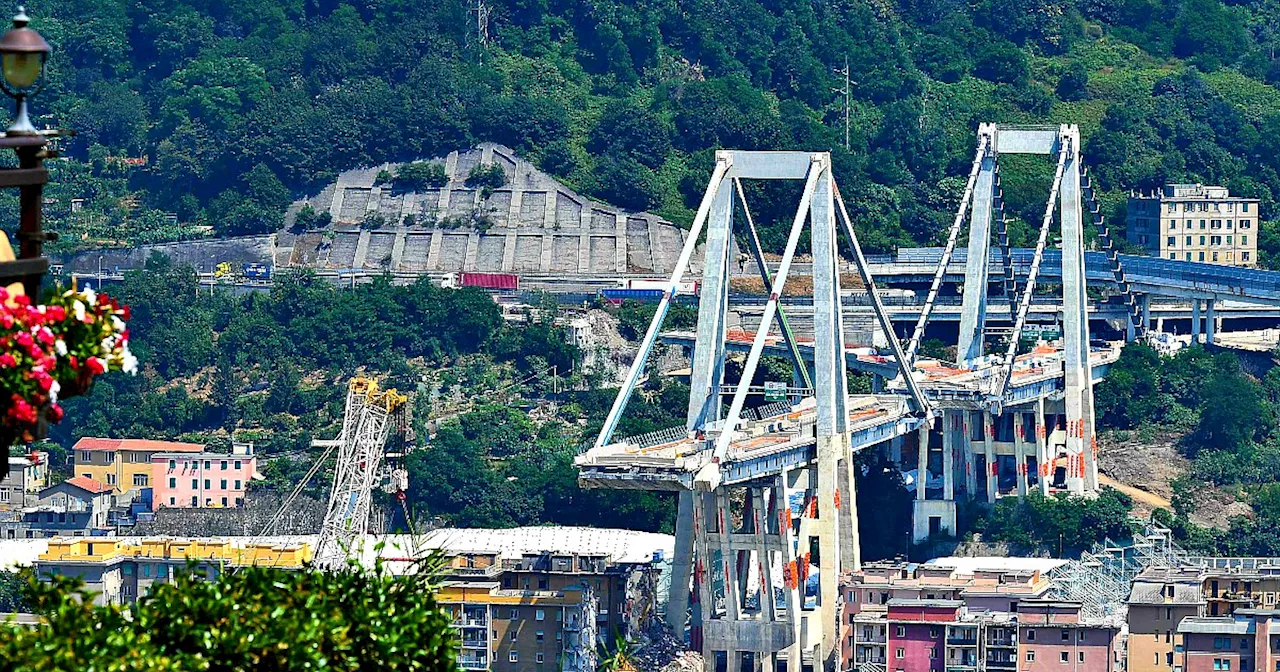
x=967, y=456
x=1019, y=450
x=1146, y=312
x=951, y=422
x=1044, y=462
x=1130, y=332
x=1195, y=321
x=922, y=462
x=990, y=466
x=1211, y=321
x=681, y=566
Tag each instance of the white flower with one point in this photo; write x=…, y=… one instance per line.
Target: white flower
x=53, y=392
x=90, y=297
x=117, y=323
x=130, y=365
x=60, y=346
x=78, y=309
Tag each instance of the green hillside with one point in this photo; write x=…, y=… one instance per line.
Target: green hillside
x=240, y=106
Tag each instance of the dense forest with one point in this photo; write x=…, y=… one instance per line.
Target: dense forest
x=239, y=107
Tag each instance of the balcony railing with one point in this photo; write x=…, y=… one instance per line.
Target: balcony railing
x=473, y=663
x=966, y=640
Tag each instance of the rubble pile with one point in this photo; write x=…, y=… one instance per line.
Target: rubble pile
x=660, y=651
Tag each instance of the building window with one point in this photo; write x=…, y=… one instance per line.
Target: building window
x=111, y=479
x=207, y=484
x=195, y=501
x=208, y=464
x=195, y=484
x=514, y=657
x=900, y=653
x=1221, y=643
x=933, y=653
x=1244, y=207
x=539, y=615
x=1202, y=240
x=140, y=479
x=1031, y=635
x=1031, y=656
x=1228, y=240
x=224, y=465
x=1080, y=635
x=1188, y=256
x=1202, y=256
x=237, y=485
x=1244, y=256
x=1202, y=224
x=1188, y=240
x=933, y=633
x=146, y=571
x=1168, y=613
x=538, y=636
x=223, y=484
x=1228, y=223
x=1064, y=657
x=239, y=501
x=514, y=614
x=224, y=501
x=900, y=631
x=237, y=464
x=1172, y=241
x=173, y=501
x=173, y=464
x=1082, y=656
x=537, y=657
x=513, y=634
x=1222, y=663
x=1215, y=256
x=1173, y=256
x=1244, y=240
x=1066, y=636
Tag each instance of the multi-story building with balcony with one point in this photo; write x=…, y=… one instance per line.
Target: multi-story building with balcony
x=1195, y=222
x=503, y=629
x=1159, y=600
x=28, y=475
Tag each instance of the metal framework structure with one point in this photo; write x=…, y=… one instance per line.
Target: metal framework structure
x=367, y=421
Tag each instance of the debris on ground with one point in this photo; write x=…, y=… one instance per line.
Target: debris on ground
x=661, y=651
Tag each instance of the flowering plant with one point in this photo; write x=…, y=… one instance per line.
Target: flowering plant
x=53, y=351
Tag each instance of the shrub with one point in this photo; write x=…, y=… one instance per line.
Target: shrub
x=256, y=618
x=421, y=175
x=487, y=177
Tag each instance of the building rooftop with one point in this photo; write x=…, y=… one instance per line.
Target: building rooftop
x=87, y=484
x=93, y=443
x=912, y=602
x=1216, y=625
x=620, y=546
x=998, y=564
x=1157, y=592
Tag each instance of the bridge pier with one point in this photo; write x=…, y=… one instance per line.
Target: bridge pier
x=1195, y=321
x=1210, y=325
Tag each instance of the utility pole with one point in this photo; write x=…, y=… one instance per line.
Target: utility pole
x=847, y=92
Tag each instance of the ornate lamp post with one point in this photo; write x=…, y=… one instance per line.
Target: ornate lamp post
x=22, y=57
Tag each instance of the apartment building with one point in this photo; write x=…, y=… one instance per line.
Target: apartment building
x=118, y=570
x=1052, y=636
x=1195, y=222
x=502, y=629
x=620, y=567
x=1246, y=641
x=919, y=635
x=124, y=465
x=1159, y=600
x=28, y=474
x=202, y=480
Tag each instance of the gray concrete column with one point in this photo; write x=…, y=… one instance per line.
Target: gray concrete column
x=1210, y=325
x=922, y=462
x=1043, y=462
x=1019, y=451
x=1195, y=320
x=681, y=566
x=948, y=454
x=1146, y=312
x=967, y=456
x=989, y=453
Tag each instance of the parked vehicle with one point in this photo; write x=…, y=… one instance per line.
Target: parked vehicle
x=494, y=281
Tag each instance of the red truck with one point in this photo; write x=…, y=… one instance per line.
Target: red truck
x=495, y=281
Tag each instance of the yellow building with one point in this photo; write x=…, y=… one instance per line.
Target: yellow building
x=500, y=629
x=119, y=570
x=1196, y=222
x=123, y=464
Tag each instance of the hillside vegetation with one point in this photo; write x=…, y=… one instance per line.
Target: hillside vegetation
x=239, y=107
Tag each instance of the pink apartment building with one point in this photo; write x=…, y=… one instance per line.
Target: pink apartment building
x=202, y=480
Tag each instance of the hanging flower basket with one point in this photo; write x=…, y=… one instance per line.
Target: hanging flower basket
x=52, y=352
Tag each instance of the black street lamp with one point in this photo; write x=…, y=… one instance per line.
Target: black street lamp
x=22, y=57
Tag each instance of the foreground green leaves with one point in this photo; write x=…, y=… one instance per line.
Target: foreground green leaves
x=248, y=619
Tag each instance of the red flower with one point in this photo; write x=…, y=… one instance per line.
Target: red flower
x=7, y=361
x=24, y=339
x=22, y=300
x=54, y=413
x=75, y=363
x=57, y=313
x=96, y=365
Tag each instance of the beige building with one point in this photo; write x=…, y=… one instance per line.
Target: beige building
x=502, y=629
x=1195, y=222
x=1158, y=602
